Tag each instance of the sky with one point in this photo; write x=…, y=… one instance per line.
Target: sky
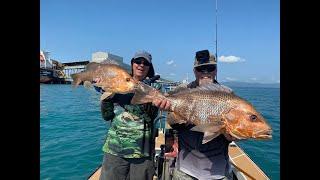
x=172, y=31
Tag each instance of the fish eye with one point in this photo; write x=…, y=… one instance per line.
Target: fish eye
x=253, y=117
x=127, y=79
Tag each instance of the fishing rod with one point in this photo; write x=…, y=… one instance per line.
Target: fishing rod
x=217, y=38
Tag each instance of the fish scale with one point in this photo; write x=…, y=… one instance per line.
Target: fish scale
x=200, y=105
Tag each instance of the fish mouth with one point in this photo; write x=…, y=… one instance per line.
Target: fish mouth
x=264, y=134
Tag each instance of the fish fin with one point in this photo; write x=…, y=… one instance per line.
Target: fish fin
x=110, y=61
x=179, y=89
x=214, y=87
x=145, y=94
x=87, y=84
x=105, y=95
x=76, y=79
x=92, y=66
x=210, y=131
x=212, y=127
x=208, y=136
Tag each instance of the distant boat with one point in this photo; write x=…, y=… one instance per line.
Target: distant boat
x=51, y=76
x=46, y=75
x=169, y=88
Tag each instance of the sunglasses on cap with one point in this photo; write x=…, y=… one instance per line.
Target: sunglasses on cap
x=141, y=61
x=206, y=68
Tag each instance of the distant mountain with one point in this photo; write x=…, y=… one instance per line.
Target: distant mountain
x=245, y=84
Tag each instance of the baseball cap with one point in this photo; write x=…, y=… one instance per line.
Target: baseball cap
x=143, y=54
x=204, y=58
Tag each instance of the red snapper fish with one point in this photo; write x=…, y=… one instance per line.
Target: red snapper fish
x=213, y=109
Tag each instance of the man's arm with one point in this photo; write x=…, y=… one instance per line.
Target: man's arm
x=107, y=108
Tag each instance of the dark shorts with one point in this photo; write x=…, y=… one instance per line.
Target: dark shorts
x=117, y=168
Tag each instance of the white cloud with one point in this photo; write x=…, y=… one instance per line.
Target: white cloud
x=230, y=79
x=172, y=74
x=253, y=79
x=170, y=62
x=230, y=59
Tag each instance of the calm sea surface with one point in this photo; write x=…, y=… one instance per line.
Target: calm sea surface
x=72, y=131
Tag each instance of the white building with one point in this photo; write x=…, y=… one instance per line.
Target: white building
x=105, y=56
x=102, y=56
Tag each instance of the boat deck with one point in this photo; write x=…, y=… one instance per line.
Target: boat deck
x=96, y=174
x=249, y=170
x=245, y=168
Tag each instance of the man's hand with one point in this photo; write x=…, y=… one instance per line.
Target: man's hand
x=162, y=104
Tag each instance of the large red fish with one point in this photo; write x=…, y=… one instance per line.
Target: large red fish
x=112, y=78
x=213, y=108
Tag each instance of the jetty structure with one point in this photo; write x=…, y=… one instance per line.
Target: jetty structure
x=54, y=72
x=51, y=71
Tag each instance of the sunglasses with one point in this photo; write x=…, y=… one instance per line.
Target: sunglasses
x=206, y=68
x=141, y=61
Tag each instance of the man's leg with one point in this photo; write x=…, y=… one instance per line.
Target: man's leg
x=141, y=169
x=114, y=167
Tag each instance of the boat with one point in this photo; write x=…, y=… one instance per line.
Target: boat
x=51, y=71
x=46, y=75
x=243, y=167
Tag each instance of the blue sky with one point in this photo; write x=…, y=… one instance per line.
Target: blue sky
x=172, y=31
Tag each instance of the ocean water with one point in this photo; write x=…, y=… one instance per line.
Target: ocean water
x=72, y=131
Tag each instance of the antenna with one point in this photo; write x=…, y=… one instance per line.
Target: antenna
x=217, y=39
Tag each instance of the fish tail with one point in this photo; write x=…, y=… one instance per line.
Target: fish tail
x=145, y=94
x=76, y=79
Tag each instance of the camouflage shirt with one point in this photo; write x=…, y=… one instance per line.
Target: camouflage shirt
x=131, y=132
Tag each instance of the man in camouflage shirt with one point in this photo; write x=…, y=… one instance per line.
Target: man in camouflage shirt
x=129, y=146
